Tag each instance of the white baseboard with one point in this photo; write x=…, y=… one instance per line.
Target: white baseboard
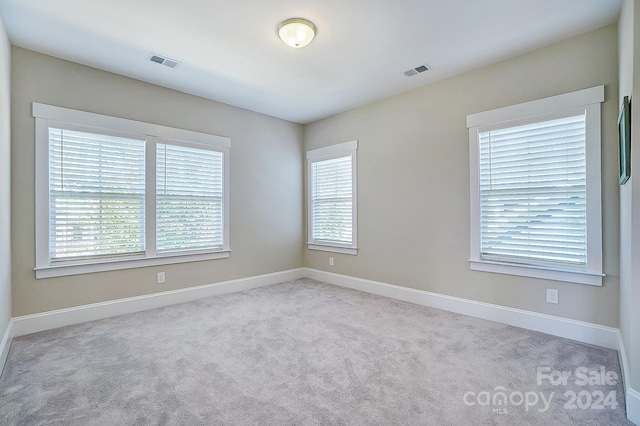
x=5, y=344
x=577, y=330
x=633, y=406
x=632, y=397
x=53, y=319
x=622, y=357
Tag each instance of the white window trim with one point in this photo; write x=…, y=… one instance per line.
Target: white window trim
x=589, y=99
x=48, y=115
x=327, y=153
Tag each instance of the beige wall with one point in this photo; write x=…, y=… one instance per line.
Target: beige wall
x=413, y=179
x=629, y=48
x=5, y=181
x=265, y=181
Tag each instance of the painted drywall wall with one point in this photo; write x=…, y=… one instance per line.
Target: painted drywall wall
x=265, y=181
x=5, y=180
x=413, y=179
x=629, y=56
x=625, y=57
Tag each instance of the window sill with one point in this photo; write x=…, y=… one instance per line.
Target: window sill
x=114, y=265
x=335, y=249
x=578, y=277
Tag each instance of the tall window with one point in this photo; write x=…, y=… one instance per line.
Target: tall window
x=96, y=196
x=114, y=193
x=536, y=189
x=332, y=200
x=189, y=199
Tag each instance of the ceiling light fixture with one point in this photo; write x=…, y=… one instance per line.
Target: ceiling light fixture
x=296, y=32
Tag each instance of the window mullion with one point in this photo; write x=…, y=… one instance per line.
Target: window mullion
x=150, y=197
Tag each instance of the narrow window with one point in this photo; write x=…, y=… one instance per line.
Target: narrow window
x=332, y=200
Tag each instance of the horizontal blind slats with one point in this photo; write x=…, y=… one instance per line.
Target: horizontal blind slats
x=96, y=195
x=532, y=181
x=189, y=199
x=332, y=198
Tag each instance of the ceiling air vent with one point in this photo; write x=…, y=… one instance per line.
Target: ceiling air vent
x=163, y=61
x=417, y=70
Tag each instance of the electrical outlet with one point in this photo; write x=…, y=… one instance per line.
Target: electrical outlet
x=552, y=296
x=160, y=277
x=330, y=261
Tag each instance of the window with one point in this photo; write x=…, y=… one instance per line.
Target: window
x=96, y=196
x=332, y=198
x=189, y=199
x=114, y=193
x=535, y=188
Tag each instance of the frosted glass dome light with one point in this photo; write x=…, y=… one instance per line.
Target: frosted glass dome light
x=296, y=32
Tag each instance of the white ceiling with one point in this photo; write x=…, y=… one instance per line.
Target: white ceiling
x=230, y=51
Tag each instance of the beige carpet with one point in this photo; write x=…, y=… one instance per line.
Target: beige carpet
x=305, y=353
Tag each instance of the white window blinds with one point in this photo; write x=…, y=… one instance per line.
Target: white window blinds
x=332, y=200
x=189, y=199
x=113, y=193
x=532, y=182
x=96, y=195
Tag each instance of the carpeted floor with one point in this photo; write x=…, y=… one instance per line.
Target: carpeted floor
x=302, y=353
